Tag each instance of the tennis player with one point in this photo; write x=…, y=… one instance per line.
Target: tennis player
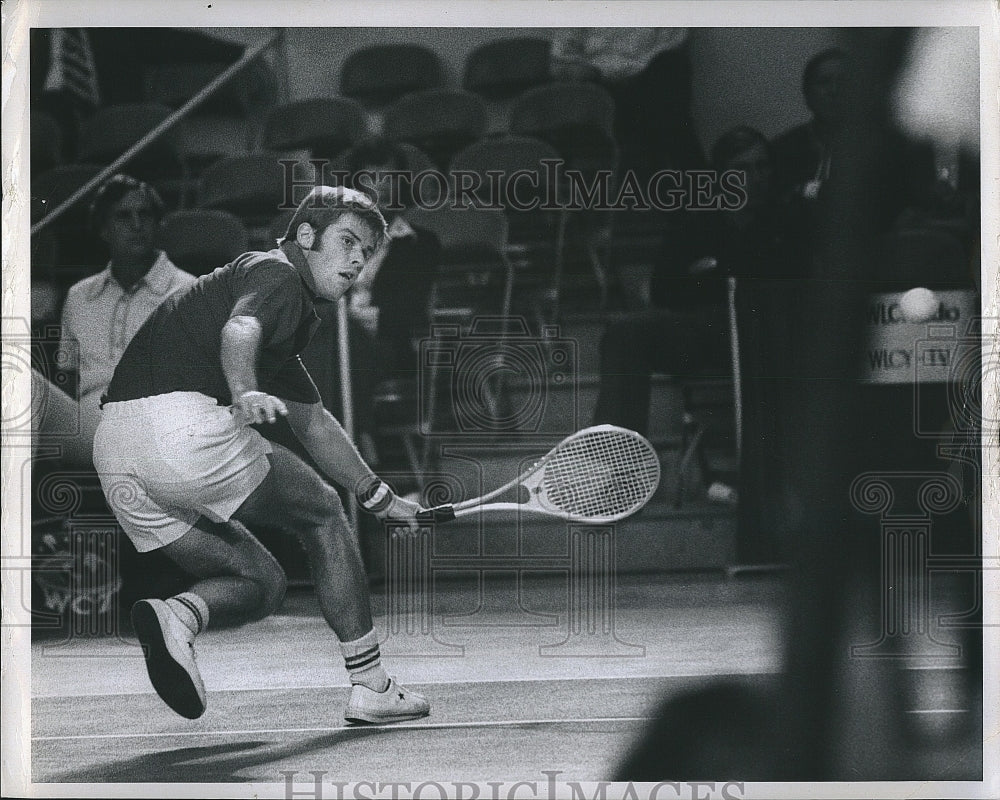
x=184, y=472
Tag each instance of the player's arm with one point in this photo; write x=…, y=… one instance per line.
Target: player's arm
x=335, y=454
x=240, y=346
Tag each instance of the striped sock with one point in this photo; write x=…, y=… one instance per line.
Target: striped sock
x=364, y=663
x=191, y=610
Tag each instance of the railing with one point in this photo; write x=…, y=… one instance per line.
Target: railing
x=203, y=94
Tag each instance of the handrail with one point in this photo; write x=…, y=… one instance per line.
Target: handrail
x=210, y=88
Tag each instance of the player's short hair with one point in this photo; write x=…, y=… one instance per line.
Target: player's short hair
x=113, y=190
x=735, y=141
x=817, y=61
x=324, y=205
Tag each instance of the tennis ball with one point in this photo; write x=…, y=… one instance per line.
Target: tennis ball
x=918, y=305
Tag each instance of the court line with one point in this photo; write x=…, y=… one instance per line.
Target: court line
x=939, y=711
x=441, y=682
x=418, y=726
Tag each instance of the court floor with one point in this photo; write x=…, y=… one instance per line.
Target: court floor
x=521, y=681
x=514, y=689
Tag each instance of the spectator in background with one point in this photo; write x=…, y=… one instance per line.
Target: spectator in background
x=102, y=313
x=390, y=303
x=685, y=332
x=806, y=156
x=803, y=154
x=648, y=73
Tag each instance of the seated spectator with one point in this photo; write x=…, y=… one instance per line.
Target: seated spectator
x=685, y=331
x=802, y=155
x=102, y=313
x=389, y=305
x=805, y=156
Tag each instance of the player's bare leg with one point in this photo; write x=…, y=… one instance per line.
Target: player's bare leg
x=295, y=499
x=239, y=581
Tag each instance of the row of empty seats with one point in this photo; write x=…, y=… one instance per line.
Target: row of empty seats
x=371, y=76
x=496, y=70
x=394, y=88
x=577, y=119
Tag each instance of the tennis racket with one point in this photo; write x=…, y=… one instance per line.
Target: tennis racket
x=600, y=474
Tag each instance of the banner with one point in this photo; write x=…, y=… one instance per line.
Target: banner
x=931, y=350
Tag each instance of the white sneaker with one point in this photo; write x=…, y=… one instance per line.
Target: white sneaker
x=395, y=704
x=720, y=492
x=168, y=645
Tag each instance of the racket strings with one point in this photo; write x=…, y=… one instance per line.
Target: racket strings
x=602, y=474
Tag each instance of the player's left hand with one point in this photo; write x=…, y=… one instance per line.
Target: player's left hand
x=404, y=513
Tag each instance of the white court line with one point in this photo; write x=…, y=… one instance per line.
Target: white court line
x=938, y=711
x=420, y=726
x=439, y=682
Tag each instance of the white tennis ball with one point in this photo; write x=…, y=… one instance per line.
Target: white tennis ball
x=918, y=305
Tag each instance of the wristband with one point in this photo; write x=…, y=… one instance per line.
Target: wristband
x=374, y=495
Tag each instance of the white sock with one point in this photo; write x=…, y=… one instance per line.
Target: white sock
x=191, y=610
x=364, y=662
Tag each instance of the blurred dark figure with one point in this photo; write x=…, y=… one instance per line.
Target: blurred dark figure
x=717, y=733
x=837, y=714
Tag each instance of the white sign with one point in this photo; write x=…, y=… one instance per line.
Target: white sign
x=935, y=350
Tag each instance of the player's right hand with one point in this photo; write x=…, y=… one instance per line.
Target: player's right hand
x=257, y=407
x=404, y=512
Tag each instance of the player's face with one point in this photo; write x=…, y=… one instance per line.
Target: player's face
x=130, y=230
x=339, y=255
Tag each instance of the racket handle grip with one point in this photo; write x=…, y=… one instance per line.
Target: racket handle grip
x=445, y=513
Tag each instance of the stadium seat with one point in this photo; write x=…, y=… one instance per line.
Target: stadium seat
x=46, y=142
x=199, y=240
x=379, y=74
x=576, y=118
x=417, y=161
x=476, y=274
x=252, y=187
x=476, y=279
x=77, y=246
x=114, y=129
x=535, y=235
x=53, y=186
x=505, y=68
x=174, y=83
x=324, y=125
x=204, y=139
x=438, y=121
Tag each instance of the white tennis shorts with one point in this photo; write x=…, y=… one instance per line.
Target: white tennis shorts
x=166, y=460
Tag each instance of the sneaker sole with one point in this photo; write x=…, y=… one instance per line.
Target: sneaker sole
x=373, y=719
x=169, y=678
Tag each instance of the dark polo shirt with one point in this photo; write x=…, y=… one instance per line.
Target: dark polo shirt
x=178, y=347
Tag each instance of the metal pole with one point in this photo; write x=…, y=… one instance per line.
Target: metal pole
x=734, y=350
x=346, y=394
x=222, y=78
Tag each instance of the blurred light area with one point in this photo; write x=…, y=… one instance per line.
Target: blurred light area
x=937, y=96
